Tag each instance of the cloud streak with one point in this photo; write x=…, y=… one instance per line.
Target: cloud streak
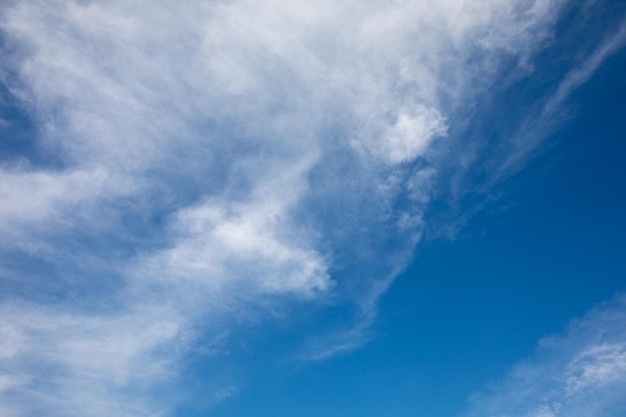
x=554, y=110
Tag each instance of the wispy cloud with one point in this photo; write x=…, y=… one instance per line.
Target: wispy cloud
x=537, y=127
x=217, y=156
x=487, y=154
x=580, y=373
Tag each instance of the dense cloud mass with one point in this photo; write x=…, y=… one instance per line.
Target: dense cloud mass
x=194, y=163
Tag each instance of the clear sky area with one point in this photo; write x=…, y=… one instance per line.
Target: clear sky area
x=313, y=209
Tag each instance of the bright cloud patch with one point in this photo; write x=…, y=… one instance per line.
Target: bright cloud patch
x=409, y=136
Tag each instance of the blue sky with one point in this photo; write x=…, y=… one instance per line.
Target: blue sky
x=277, y=208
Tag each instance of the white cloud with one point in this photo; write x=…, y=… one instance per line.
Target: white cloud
x=596, y=367
x=409, y=136
x=78, y=363
x=217, y=155
x=222, y=244
x=581, y=373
